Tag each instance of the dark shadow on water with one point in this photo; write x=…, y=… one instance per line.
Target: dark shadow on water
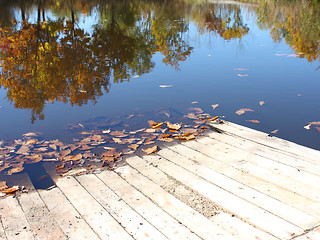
x=39, y=176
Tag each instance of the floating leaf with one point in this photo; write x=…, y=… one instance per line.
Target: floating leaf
x=253, y=121
x=147, y=143
x=307, y=126
x=31, y=141
x=165, y=86
x=155, y=125
x=117, y=140
x=76, y=157
x=118, y=134
x=196, y=109
x=133, y=146
x=151, y=150
x=318, y=128
x=194, y=102
x=150, y=130
x=106, y=131
x=240, y=69
x=23, y=150
x=130, y=116
x=30, y=134
x=65, y=153
x=212, y=119
x=215, y=106
x=136, y=76
x=173, y=127
x=243, y=75
x=261, y=103
x=10, y=190
x=243, y=110
x=275, y=131
x=191, y=116
x=16, y=168
x=128, y=151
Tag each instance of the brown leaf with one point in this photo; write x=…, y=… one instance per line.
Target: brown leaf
x=243, y=110
x=65, y=152
x=213, y=119
x=76, y=157
x=275, y=131
x=133, y=146
x=151, y=150
x=261, y=103
x=23, y=150
x=10, y=190
x=173, y=127
x=147, y=143
x=3, y=185
x=96, y=137
x=215, y=106
x=194, y=102
x=166, y=139
x=118, y=134
x=157, y=125
x=253, y=121
x=191, y=116
x=4, y=166
x=42, y=149
x=128, y=151
x=106, y=131
x=150, y=130
x=32, y=141
x=85, y=147
x=16, y=168
x=30, y=134
x=196, y=109
x=118, y=140
x=130, y=116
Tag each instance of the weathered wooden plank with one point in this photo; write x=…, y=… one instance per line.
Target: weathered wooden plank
x=263, y=151
x=267, y=163
x=312, y=235
x=13, y=220
x=274, y=142
x=229, y=224
x=194, y=221
x=2, y=233
x=69, y=220
x=93, y=213
x=136, y=225
x=42, y=223
x=248, y=165
x=272, y=190
x=290, y=214
x=169, y=226
x=251, y=213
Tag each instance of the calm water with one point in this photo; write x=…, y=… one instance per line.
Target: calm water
x=69, y=62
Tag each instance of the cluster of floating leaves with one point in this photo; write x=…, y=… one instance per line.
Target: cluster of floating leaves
x=102, y=148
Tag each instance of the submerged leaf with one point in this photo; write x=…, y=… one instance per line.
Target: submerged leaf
x=275, y=131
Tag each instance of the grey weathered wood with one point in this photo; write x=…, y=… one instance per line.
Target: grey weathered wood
x=278, y=144
x=169, y=226
x=251, y=213
x=93, y=213
x=225, y=221
x=13, y=220
x=290, y=214
x=42, y=223
x=69, y=220
x=248, y=165
x=194, y=221
x=136, y=225
x=270, y=189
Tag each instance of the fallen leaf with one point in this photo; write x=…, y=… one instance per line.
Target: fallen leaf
x=151, y=150
x=109, y=148
x=315, y=123
x=196, y=109
x=253, y=121
x=96, y=137
x=76, y=157
x=150, y=130
x=318, y=128
x=32, y=141
x=215, y=106
x=243, y=75
x=155, y=125
x=275, y=131
x=16, y=168
x=191, y=116
x=173, y=127
x=65, y=152
x=165, y=86
x=23, y=150
x=130, y=116
x=82, y=91
x=53, y=146
x=85, y=133
x=194, y=102
x=106, y=131
x=117, y=140
x=212, y=119
x=128, y=151
x=307, y=126
x=3, y=185
x=147, y=143
x=133, y=146
x=165, y=139
x=243, y=110
x=136, y=76
x=118, y=134
x=85, y=147
x=10, y=190
x=30, y=134
x=240, y=69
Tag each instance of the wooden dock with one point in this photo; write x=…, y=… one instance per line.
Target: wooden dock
x=237, y=184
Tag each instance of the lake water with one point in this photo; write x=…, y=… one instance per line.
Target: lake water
x=87, y=62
